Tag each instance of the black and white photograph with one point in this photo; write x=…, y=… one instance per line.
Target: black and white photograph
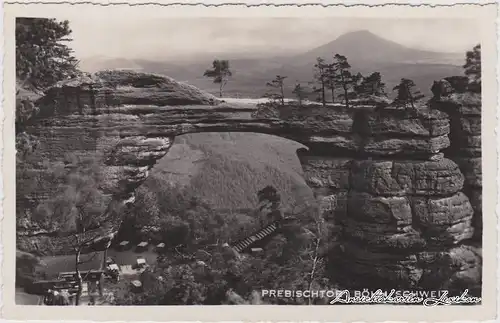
x=248, y=160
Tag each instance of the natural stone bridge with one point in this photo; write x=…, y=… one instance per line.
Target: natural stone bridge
x=389, y=178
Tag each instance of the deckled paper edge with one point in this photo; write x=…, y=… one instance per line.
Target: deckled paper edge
x=248, y=313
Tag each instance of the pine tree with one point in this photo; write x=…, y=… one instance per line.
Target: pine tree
x=270, y=203
x=407, y=93
x=321, y=77
x=278, y=85
x=343, y=76
x=300, y=92
x=371, y=85
x=42, y=57
x=331, y=82
x=220, y=72
x=472, y=68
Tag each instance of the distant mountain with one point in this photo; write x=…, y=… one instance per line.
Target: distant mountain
x=365, y=47
x=365, y=51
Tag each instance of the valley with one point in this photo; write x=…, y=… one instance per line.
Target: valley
x=366, y=52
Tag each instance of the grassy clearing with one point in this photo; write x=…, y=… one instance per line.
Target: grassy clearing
x=227, y=169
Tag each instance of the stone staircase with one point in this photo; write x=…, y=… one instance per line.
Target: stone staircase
x=245, y=243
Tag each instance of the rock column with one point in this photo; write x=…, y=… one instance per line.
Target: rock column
x=464, y=110
x=398, y=202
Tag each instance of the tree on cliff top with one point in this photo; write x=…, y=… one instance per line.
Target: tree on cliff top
x=331, y=82
x=343, y=76
x=371, y=85
x=321, y=76
x=277, y=84
x=472, y=68
x=220, y=72
x=407, y=93
x=42, y=57
x=300, y=92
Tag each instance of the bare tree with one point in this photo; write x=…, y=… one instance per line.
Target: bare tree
x=86, y=241
x=314, y=254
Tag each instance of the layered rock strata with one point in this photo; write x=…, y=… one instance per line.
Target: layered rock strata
x=400, y=203
x=464, y=110
x=126, y=121
x=115, y=118
x=378, y=172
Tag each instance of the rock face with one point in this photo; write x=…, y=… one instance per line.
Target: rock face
x=399, y=201
x=385, y=176
x=126, y=121
x=111, y=116
x=464, y=110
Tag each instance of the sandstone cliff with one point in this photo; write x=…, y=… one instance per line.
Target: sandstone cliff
x=464, y=110
x=378, y=172
x=400, y=203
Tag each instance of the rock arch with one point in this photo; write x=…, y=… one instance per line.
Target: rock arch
x=379, y=173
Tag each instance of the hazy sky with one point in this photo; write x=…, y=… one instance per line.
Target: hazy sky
x=171, y=38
